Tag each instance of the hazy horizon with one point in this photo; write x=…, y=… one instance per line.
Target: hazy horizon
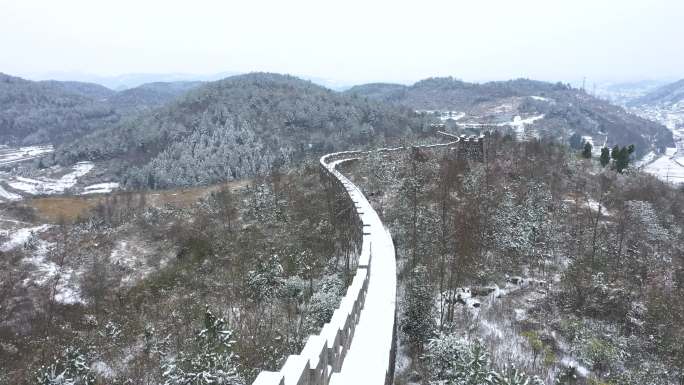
x=348, y=43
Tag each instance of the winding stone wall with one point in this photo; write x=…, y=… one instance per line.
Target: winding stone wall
x=358, y=345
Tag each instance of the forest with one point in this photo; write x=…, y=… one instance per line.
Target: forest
x=238, y=127
x=537, y=265
x=566, y=110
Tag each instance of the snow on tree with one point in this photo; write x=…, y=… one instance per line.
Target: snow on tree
x=418, y=321
x=210, y=362
x=519, y=227
x=513, y=376
x=266, y=281
x=323, y=303
x=450, y=359
x=71, y=368
x=605, y=156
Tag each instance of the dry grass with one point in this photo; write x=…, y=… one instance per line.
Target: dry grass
x=51, y=209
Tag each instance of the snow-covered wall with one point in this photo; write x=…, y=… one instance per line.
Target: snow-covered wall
x=358, y=345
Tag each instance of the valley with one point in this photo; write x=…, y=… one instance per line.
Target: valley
x=213, y=203
x=341, y=193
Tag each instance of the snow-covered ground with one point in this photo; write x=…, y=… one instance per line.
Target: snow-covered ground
x=10, y=155
x=8, y=196
x=44, y=270
x=594, y=206
x=14, y=185
x=18, y=237
x=496, y=322
x=45, y=185
x=520, y=123
x=132, y=257
x=443, y=115
x=100, y=188
x=519, y=126
x=669, y=166
x=542, y=99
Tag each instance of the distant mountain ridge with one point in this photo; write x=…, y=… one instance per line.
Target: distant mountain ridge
x=131, y=80
x=238, y=127
x=39, y=112
x=666, y=95
x=565, y=110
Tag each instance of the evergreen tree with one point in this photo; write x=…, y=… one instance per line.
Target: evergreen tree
x=605, y=156
x=323, y=303
x=71, y=368
x=266, y=281
x=621, y=157
x=419, y=321
x=586, y=152
x=615, y=152
x=211, y=362
x=450, y=359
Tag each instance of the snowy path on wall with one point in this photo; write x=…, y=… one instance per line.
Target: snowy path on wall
x=369, y=354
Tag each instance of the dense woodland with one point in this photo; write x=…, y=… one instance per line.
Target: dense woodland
x=53, y=112
x=544, y=264
x=595, y=255
x=566, y=110
x=239, y=127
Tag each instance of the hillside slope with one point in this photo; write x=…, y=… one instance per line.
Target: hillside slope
x=565, y=110
x=37, y=112
x=150, y=95
x=666, y=95
x=236, y=127
x=54, y=112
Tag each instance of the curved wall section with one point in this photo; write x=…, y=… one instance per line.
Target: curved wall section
x=357, y=346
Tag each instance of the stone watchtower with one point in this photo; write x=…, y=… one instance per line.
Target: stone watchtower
x=471, y=148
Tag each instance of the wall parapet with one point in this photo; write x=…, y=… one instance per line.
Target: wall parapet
x=368, y=309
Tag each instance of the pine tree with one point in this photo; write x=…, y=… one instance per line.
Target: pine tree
x=450, y=359
x=605, y=156
x=71, y=368
x=615, y=152
x=621, y=157
x=211, y=362
x=419, y=322
x=586, y=152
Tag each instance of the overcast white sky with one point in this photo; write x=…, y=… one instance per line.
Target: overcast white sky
x=348, y=40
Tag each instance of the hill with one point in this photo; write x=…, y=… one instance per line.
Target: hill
x=150, y=95
x=565, y=110
x=666, y=95
x=49, y=112
x=236, y=127
x=57, y=112
x=87, y=90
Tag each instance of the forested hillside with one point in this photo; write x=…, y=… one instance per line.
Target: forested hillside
x=54, y=112
x=537, y=264
x=150, y=95
x=49, y=112
x=237, y=127
x=565, y=110
x=666, y=95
